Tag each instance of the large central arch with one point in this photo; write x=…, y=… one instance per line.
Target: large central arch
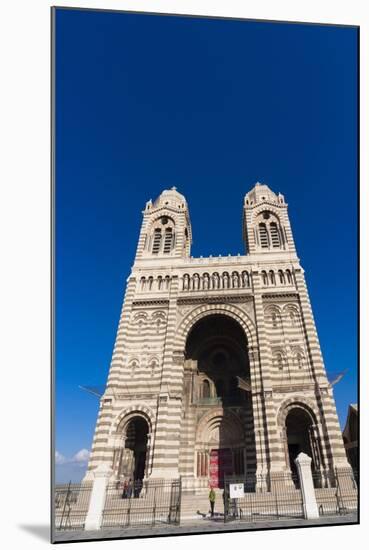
x=216, y=346
x=236, y=313
x=219, y=347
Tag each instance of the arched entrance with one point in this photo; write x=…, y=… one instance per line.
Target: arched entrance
x=134, y=456
x=220, y=448
x=218, y=345
x=217, y=350
x=299, y=428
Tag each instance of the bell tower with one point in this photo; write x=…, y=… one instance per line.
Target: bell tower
x=266, y=226
x=166, y=228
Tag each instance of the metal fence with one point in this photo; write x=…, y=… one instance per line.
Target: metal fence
x=265, y=497
x=146, y=503
x=336, y=491
x=71, y=505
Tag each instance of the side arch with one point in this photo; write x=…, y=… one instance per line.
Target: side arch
x=297, y=402
x=121, y=421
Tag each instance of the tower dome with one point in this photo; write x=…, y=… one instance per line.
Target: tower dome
x=261, y=192
x=171, y=197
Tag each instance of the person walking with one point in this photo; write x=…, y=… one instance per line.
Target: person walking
x=212, y=500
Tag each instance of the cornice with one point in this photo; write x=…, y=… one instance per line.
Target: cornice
x=215, y=299
x=150, y=303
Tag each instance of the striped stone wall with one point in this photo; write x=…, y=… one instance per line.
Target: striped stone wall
x=166, y=295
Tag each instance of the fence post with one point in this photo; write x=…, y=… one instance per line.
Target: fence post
x=303, y=463
x=97, y=499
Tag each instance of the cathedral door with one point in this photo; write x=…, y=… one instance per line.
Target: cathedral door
x=220, y=465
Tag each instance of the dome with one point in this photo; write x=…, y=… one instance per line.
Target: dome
x=260, y=193
x=171, y=197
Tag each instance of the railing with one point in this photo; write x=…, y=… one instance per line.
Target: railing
x=146, y=503
x=264, y=497
x=71, y=505
x=336, y=491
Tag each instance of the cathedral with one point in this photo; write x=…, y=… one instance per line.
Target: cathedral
x=217, y=368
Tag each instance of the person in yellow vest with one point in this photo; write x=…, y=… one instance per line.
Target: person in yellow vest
x=212, y=500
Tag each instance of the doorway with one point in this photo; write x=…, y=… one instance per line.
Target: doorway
x=134, y=456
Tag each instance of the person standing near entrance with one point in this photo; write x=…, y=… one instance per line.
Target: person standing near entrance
x=212, y=500
x=125, y=486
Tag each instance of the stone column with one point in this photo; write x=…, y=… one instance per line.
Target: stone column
x=333, y=452
x=303, y=463
x=97, y=500
x=120, y=444
x=165, y=460
x=267, y=440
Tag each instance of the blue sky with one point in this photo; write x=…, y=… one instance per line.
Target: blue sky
x=210, y=106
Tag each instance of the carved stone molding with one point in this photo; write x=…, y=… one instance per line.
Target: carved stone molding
x=150, y=303
x=276, y=296
x=220, y=299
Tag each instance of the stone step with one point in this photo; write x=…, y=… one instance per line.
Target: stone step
x=197, y=506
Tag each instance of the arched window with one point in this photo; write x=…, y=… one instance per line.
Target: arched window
x=274, y=234
x=264, y=277
x=263, y=234
x=167, y=281
x=133, y=366
x=278, y=360
x=168, y=240
x=205, y=389
x=276, y=319
x=150, y=282
x=272, y=277
x=289, y=277
x=153, y=366
x=299, y=360
x=281, y=277
x=157, y=241
x=143, y=283
x=160, y=282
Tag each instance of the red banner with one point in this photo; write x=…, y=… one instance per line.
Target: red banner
x=220, y=464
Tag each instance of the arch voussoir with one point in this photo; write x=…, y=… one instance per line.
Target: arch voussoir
x=206, y=310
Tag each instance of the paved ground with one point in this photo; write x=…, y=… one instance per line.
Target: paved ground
x=205, y=525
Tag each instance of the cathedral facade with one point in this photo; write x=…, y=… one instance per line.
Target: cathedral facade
x=216, y=368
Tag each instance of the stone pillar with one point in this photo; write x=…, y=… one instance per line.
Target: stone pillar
x=303, y=463
x=269, y=451
x=120, y=444
x=97, y=500
x=169, y=414
x=333, y=452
